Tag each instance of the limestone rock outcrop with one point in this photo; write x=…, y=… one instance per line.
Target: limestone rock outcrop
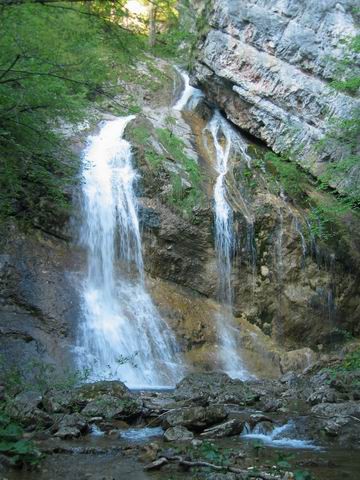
x=268, y=65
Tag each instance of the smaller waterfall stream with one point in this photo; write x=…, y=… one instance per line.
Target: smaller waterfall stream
x=190, y=95
x=120, y=319
x=224, y=229
x=224, y=243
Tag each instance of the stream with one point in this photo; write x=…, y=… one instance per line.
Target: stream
x=122, y=454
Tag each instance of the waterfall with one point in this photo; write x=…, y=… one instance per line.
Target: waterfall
x=122, y=335
x=190, y=96
x=224, y=243
x=224, y=234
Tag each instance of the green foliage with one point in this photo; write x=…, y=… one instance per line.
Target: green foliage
x=258, y=447
x=185, y=191
x=140, y=134
x=153, y=158
x=40, y=86
x=175, y=146
x=343, y=136
x=303, y=475
x=351, y=363
x=325, y=211
x=183, y=197
x=174, y=43
x=348, y=72
x=54, y=61
x=21, y=452
x=320, y=222
x=249, y=178
x=342, y=140
x=40, y=376
x=290, y=176
x=283, y=461
x=212, y=453
x=176, y=36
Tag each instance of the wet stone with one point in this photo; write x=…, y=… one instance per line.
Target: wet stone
x=178, y=434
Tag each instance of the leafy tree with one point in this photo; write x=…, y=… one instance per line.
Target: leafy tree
x=54, y=58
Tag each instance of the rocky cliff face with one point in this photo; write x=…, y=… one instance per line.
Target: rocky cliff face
x=268, y=64
x=288, y=293
x=39, y=306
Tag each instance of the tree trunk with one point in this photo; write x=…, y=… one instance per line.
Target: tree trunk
x=152, y=25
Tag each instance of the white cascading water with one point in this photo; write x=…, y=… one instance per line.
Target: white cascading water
x=224, y=242
x=122, y=334
x=190, y=94
x=280, y=437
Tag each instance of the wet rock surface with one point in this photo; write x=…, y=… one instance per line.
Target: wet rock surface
x=215, y=388
x=195, y=418
x=38, y=304
x=178, y=434
x=199, y=424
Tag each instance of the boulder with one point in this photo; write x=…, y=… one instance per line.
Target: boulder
x=71, y=426
x=195, y=418
x=106, y=399
x=215, y=387
x=58, y=401
x=297, y=360
x=272, y=405
x=91, y=391
x=110, y=407
x=26, y=408
x=149, y=452
x=178, y=434
x=226, y=429
x=340, y=420
x=323, y=394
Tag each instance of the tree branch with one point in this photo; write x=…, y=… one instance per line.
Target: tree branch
x=10, y=66
x=157, y=464
x=9, y=3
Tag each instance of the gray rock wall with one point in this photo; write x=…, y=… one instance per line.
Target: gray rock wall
x=268, y=64
x=39, y=306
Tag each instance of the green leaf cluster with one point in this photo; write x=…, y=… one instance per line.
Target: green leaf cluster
x=290, y=176
x=19, y=451
x=185, y=199
x=325, y=210
x=55, y=60
x=347, y=69
x=343, y=136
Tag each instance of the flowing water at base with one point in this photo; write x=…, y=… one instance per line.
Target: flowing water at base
x=281, y=436
x=122, y=335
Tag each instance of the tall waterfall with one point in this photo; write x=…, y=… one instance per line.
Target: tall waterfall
x=225, y=140
x=122, y=334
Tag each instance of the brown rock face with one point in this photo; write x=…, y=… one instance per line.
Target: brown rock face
x=289, y=293
x=294, y=290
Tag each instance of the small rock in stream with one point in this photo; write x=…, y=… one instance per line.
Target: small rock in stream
x=178, y=434
x=226, y=429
